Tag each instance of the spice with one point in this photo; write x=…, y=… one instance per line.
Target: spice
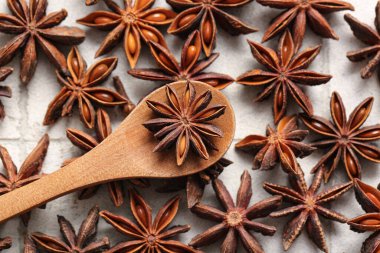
x=29, y=245
x=185, y=121
x=33, y=28
x=5, y=243
x=133, y=22
x=307, y=205
x=91, y=2
x=203, y=16
x=189, y=69
x=280, y=145
x=72, y=242
x=5, y=91
x=235, y=220
x=119, y=87
x=28, y=172
x=345, y=138
x=284, y=72
x=298, y=13
x=148, y=235
x=79, y=89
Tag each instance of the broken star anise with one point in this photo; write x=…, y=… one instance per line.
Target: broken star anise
x=72, y=242
x=185, y=122
x=148, y=235
x=280, y=145
x=134, y=21
x=307, y=205
x=5, y=91
x=32, y=27
x=190, y=68
x=285, y=71
x=5, y=243
x=236, y=219
x=345, y=138
x=203, y=15
x=128, y=107
x=78, y=89
x=28, y=173
x=298, y=13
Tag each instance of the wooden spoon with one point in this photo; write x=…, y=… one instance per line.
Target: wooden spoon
x=127, y=153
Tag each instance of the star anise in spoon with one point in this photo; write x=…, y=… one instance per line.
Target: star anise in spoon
x=72, y=242
x=5, y=91
x=285, y=71
x=282, y=144
x=345, y=139
x=307, y=205
x=235, y=220
x=5, y=243
x=78, y=89
x=185, y=122
x=134, y=22
x=148, y=235
x=298, y=13
x=33, y=28
x=190, y=67
x=203, y=15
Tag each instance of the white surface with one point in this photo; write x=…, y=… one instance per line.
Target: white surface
x=22, y=127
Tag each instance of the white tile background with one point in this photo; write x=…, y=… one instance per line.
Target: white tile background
x=22, y=127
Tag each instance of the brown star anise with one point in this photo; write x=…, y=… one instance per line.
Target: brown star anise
x=5, y=91
x=189, y=69
x=78, y=88
x=300, y=12
x=307, y=206
x=148, y=235
x=369, y=199
x=369, y=36
x=28, y=173
x=285, y=71
x=203, y=15
x=184, y=121
x=5, y=243
x=235, y=220
x=344, y=138
x=280, y=145
x=72, y=242
x=32, y=27
x=134, y=21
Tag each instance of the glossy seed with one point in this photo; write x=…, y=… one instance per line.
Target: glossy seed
x=368, y=152
x=280, y=99
x=105, y=97
x=75, y=66
x=142, y=215
x=102, y=20
x=182, y=146
x=212, y=82
x=190, y=54
x=338, y=113
x=166, y=61
x=370, y=134
x=98, y=71
x=132, y=45
x=149, y=35
x=351, y=166
x=207, y=31
x=373, y=198
x=156, y=17
x=86, y=112
x=370, y=222
x=359, y=117
x=186, y=19
x=320, y=127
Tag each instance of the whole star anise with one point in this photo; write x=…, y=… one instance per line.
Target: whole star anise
x=369, y=199
x=148, y=235
x=344, y=138
x=285, y=71
x=28, y=172
x=5, y=243
x=298, y=13
x=134, y=21
x=190, y=67
x=307, y=205
x=79, y=89
x=203, y=15
x=235, y=220
x=185, y=121
x=369, y=36
x=5, y=91
x=72, y=242
x=33, y=28
x=280, y=145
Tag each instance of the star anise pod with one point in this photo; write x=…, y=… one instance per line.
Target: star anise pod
x=28, y=172
x=235, y=219
x=33, y=28
x=279, y=145
x=29, y=245
x=203, y=15
x=128, y=107
x=135, y=21
x=86, y=142
x=5, y=91
x=185, y=121
x=298, y=13
x=72, y=242
x=285, y=71
x=369, y=36
x=5, y=243
x=79, y=89
x=195, y=184
x=307, y=205
x=369, y=199
x=345, y=138
x=148, y=235
x=190, y=67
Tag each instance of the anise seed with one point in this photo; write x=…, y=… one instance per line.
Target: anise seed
x=149, y=35
x=102, y=20
x=373, y=198
x=359, y=116
x=186, y=19
x=106, y=97
x=156, y=17
x=370, y=222
x=190, y=54
x=132, y=46
x=207, y=31
x=98, y=71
